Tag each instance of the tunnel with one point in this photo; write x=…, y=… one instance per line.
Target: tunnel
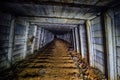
x=59, y=40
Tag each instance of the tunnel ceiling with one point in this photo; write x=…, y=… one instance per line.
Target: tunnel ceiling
x=56, y=12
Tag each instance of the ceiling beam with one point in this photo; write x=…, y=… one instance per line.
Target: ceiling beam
x=65, y=25
x=46, y=23
x=39, y=21
x=47, y=19
x=54, y=3
x=42, y=16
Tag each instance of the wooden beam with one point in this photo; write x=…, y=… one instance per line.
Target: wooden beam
x=46, y=19
x=42, y=16
x=53, y=23
x=65, y=24
x=54, y=3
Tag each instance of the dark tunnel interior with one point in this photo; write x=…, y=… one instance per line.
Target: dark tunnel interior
x=59, y=40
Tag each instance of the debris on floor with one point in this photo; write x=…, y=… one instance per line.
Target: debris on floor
x=87, y=72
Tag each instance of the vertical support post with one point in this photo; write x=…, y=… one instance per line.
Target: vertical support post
x=90, y=48
x=104, y=37
x=109, y=25
x=35, y=30
x=81, y=41
x=42, y=39
x=77, y=40
x=26, y=35
x=11, y=42
x=71, y=38
x=39, y=35
x=74, y=39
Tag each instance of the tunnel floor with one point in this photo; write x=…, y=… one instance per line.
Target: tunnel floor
x=54, y=63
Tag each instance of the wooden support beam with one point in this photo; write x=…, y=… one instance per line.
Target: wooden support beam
x=54, y=3
x=57, y=17
x=56, y=20
x=46, y=23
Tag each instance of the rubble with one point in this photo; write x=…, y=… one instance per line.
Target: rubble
x=87, y=72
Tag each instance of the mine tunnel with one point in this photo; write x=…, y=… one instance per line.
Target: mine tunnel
x=59, y=40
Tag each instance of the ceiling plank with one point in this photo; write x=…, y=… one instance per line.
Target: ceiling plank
x=56, y=24
x=42, y=16
x=54, y=3
x=45, y=23
x=60, y=22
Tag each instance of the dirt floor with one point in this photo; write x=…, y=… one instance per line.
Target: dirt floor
x=54, y=63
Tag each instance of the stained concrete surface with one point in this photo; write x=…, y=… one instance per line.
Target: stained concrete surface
x=54, y=63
